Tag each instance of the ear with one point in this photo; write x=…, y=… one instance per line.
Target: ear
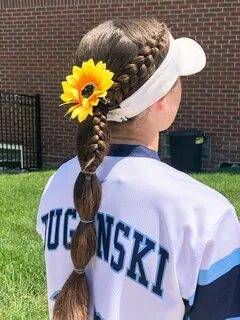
x=161, y=104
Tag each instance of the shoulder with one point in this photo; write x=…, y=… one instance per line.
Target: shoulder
x=184, y=186
x=160, y=179
x=190, y=202
x=69, y=166
x=190, y=209
x=63, y=176
x=68, y=169
x=191, y=205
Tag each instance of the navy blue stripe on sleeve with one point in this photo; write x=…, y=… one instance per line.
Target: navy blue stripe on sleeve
x=217, y=295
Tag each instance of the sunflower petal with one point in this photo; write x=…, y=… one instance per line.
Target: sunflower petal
x=95, y=102
x=75, y=113
x=76, y=71
x=71, y=109
x=86, y=103
x=101, y=66
x=67, y=97
x=64, y=103
x=90, y=110
x=100, y=94
x=72, y=80
x=84, y=113
x=75, y=93
x=66, y=86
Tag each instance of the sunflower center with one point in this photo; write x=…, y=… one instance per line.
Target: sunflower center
x=87, y=91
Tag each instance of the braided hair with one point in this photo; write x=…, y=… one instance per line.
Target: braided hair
x=133, y=50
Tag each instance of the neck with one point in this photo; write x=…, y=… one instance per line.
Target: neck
x=142, y=130
x=151, y=143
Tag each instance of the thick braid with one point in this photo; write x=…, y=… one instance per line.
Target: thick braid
x=87, y=198
x=98, y=142
x=140, y=69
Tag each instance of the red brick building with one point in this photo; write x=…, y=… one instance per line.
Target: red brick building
x=39, y=38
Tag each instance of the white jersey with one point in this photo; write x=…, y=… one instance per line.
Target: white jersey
x=168, y=246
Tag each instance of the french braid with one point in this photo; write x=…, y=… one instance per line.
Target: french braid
x=139, y=70
x=93, y=140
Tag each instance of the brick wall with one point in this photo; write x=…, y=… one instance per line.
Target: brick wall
x=39, y=38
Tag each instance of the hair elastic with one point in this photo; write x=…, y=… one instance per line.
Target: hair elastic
x=88, y=172
x=103, y=106
x=84, y=221
x=79, y=271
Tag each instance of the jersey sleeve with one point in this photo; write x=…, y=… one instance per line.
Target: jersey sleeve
x=217, y=294
x=42, y=207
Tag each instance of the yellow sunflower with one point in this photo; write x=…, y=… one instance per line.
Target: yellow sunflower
x=85, y=87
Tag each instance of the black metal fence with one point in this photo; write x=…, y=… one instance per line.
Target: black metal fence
x=20, y=132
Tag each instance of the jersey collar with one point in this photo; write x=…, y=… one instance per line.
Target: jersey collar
x=132, y=150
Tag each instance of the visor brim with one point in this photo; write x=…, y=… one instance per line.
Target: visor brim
x=192, y=56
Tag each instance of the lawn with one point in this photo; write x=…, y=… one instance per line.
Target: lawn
x=22, y=276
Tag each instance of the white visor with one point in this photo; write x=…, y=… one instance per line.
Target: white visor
x=185, y=57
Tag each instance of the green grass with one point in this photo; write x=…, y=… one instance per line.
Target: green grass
x=22, y=272
x=22, y=276
x=226, y=182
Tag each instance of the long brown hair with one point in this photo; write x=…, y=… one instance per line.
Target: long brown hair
x=132, y=49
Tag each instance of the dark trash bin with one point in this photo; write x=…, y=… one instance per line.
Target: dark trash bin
x=186, y=149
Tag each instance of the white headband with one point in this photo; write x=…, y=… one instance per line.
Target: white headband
x=185, y=57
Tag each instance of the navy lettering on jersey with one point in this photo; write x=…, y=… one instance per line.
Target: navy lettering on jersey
x=53, y=229
x=104, y=235
x=45, y=221
x=53, y=221
x=97, y=315
x=114, y=244
x=137, y=258
x=125, y=230
x=163, y=257
x=67, y=234
x=54, y=295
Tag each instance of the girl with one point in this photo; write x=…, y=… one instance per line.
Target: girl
x=126, y=236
